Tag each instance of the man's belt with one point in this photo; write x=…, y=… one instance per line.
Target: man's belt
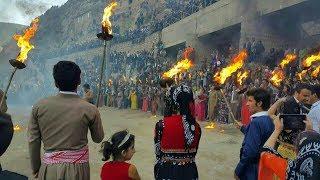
x=68, y=156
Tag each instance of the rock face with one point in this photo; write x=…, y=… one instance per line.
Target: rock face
x=8, y=46
x=7, y=30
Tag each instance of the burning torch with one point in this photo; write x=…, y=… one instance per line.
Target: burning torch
x=220, y=77
x=23, y=41
x=182, y=66
x=105, y=35
x=278, y=75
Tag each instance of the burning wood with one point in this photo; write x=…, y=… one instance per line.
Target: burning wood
x=16, y=128
x=23, y=41
x=310, y=60
x=241, y=76
x=277, y=77
x=106, y=23
x=181, y=66
x=236, y=63
x=287, y=60
x=212, y=125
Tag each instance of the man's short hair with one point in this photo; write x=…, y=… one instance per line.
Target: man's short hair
x=66, y=75
x=315, y=89
x=261, y=95
x=301, y=86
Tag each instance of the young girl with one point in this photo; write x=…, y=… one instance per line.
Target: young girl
x=121, y=148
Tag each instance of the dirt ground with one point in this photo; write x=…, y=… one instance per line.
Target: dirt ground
x=217, y=156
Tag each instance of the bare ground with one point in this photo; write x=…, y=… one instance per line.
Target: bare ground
x=217, y=156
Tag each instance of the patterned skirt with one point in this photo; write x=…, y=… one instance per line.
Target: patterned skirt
x=167, y=171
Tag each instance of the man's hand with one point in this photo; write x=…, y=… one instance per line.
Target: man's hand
x=236, y=177
x=282, y=100
x=35, y=175
x=308, y=123
x=278, y=123
x=238, y=124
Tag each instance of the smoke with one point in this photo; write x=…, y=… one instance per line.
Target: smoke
x=23, y=11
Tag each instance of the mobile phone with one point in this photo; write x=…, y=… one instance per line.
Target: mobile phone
x=293, y=121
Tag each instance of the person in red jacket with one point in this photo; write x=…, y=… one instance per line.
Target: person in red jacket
x=121, y=148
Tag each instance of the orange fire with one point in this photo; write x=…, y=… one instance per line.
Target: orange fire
x=277, y=77
x=23, y=41
x=212, y=125
x=310, y=60
x=16, y=128
x=315, y=72
x=181, y=66
x=106, y=23
x=302, y=74
x=242, y=76
x=187, y=52
x=288, y=59
x=236, y=64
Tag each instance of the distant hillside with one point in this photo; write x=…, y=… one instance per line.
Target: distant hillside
x=7, y=30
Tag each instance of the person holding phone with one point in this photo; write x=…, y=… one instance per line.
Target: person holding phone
x=295, y=105
x=305, y=166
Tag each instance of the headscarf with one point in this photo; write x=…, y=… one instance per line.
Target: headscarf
x=180, y=99
x=307, y=164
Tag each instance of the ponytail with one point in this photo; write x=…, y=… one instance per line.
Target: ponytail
x=119, y=142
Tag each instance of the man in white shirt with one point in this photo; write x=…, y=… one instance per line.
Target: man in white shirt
x=314, y=113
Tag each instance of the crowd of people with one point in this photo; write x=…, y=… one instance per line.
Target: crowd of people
x=273, y=147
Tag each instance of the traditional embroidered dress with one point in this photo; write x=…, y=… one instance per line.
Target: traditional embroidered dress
x=177, y=138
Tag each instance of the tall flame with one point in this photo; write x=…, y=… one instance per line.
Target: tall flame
x=315, y=72
x=288, y=59
x=241, y=76
x=277, y=77
x=181, y=66
x=310, y=60
x=236, y=64
x=108, y=11
x=23, y=41
x=302, y=74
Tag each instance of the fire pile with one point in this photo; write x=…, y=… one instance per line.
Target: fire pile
x=278, y=75
x=23, y=41
x=212, y=125
x=17, y=128
x=236, y=64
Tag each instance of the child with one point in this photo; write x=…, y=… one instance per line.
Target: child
x=121, y=148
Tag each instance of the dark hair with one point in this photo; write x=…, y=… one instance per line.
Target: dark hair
x=111, y=147
x=261, y=95
x=87, y=86
x=301, y=86
x=66, y=75
x=166, y=81
x=315, y=89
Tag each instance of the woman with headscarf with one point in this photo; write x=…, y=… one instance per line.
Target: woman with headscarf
x=307, y=164
x=177, y=137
